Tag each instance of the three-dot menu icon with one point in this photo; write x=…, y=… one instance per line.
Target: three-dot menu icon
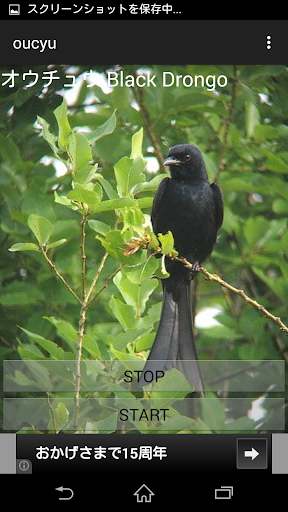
x=268, y=42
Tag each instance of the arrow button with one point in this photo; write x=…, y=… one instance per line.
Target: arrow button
x=252, y=453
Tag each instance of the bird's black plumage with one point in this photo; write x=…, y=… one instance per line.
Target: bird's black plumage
x=192, y=209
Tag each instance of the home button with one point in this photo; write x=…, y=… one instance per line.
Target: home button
x=144, y=494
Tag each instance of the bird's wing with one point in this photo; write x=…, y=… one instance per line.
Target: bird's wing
x=158, y=197
x=218, y=201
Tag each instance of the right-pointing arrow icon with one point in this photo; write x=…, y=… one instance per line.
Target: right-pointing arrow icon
x=251, y=453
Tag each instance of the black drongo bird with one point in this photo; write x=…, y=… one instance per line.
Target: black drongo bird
x=192, y=209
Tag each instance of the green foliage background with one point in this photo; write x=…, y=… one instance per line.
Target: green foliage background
x=241, y=130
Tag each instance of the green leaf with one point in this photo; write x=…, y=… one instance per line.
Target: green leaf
x=67, y=330
x=129, y=171
x=167, y=242
x=79, y=150
x=145, y=202
x=122, y=339
x=152, y=316
x=24, y=247
x=251, y=351
x=9, y=150
x=154, y=244
x=30, y=352
x=151, y=185
x=123, y=174
x=113, y=204
x=64, y=201
x=57, y=243
x=36, y=199
x=276, y=284
x=231, y=221
x=221, y=332
x=99, y=227
x=59, y=419
x=161, y=272
x=143, y=271
x=280, y=206
x=178, y=423
x=86, y=174
x=284, y=242
x=263, y=132
x=144, y=342
x=252, y=117
x=85, y=195
x=41, y=227
x=91, y=345
x=104, y=129
x=17, y=299
x=48, y=345
x=111, y=193
x=255, y=229
x=173, y=380
x=213, y=413
x=137, y=141
x=275, y=163
x=123, y=312
x=69, y=334
x=48, y=136
x=136, y=295
x=63, y=227
x=114, y=244
x=240, y=424
x=133, y=219
x=107, y=425
x=63, y=125
x=123, y=356
x=22, y=380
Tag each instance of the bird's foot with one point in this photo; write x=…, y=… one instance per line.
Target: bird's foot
x=194, y=269
x=196, y=266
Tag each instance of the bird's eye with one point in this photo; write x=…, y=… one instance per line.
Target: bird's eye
x=187, y=158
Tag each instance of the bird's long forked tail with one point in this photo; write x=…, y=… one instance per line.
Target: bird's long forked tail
x=174, y=344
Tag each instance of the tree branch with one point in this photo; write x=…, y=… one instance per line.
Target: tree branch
x=146, y=242
x=227, y=122
x=104, y=285
x=51, y=411
x=81, y=330
x=96, y=277
x=81, y=325
x=53, y=266
x=85, y=302
x=139, y=96
x=83, y=256
x=241, y=293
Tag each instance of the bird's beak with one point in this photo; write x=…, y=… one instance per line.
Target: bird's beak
x=172, y=161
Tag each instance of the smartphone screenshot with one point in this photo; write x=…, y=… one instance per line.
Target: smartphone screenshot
x=143, y=274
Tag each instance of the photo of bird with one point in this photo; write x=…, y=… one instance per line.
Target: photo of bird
x=192, y=209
